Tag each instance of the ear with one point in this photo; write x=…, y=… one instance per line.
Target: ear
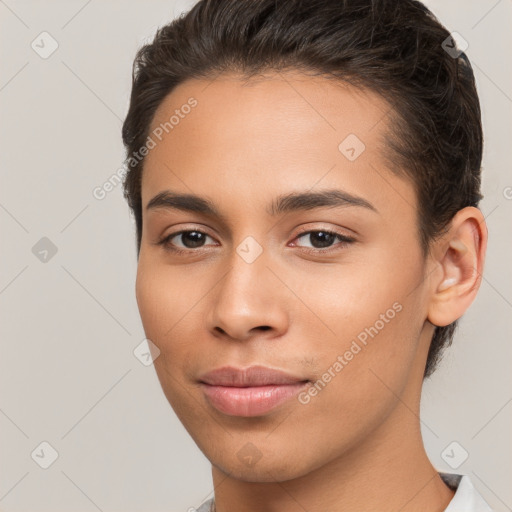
x=459, y=256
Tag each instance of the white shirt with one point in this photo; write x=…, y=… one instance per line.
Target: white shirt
x=465, y=499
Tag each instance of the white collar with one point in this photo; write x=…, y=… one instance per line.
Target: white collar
x=466, y=498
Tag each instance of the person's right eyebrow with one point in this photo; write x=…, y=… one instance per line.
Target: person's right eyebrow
x=294, y=201
x=169, y=200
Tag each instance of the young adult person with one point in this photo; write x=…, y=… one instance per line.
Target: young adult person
x=305, y=180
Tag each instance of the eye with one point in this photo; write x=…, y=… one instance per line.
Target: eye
x=190, y=239
x=322, y=239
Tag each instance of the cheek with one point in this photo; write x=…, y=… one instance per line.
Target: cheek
x=161, y=304
x=363, y=372
x=344, y=300
x=163, y=312
x=170, y=310
x=161, y=296
x=373, y=322
x=150, y=299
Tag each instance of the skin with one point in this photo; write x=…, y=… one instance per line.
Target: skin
x=357, y=444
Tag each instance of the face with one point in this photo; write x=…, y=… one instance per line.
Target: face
x=328, y=289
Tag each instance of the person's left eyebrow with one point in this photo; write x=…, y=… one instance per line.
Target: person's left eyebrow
x=310, y=200
x=294, y=201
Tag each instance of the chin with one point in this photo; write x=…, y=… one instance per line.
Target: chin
x=275, y=467
x=264, y=474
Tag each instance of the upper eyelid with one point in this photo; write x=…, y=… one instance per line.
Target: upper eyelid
x=172, y=234
x=305, y=230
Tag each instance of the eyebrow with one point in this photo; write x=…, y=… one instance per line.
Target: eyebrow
x=294, y=201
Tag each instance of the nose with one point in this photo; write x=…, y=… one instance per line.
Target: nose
x=248, y=301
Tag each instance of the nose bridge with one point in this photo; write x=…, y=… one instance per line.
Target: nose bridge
x=245, y=280
x=246, y=296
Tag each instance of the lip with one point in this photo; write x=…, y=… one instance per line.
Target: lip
x=253, y=391
x=255, y=375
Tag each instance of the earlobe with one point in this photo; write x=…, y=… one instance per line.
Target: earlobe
x=461, y=254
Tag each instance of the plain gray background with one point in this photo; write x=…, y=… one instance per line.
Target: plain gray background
x=70, y=324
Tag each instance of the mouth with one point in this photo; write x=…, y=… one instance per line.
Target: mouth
x=249, y=392
x=250, y=400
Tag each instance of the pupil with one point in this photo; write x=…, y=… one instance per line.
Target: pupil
x=194, y=237
x=327, y=239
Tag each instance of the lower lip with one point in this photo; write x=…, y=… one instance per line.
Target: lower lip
x=250, y=401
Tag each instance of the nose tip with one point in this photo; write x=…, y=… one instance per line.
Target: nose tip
x=246, y=302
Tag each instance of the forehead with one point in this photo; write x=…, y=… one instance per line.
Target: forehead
x=274, y=133
x=304, y=102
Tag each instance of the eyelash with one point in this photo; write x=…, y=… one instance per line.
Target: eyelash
x=345, y=240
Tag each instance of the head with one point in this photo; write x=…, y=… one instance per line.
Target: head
x=245, y=103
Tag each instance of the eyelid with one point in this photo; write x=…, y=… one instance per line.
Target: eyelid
x=192, y=227
x=308, y=228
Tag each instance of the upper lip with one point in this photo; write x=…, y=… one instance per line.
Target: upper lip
x=245, y=377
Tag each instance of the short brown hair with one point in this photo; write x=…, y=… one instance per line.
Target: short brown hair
x=396, y=48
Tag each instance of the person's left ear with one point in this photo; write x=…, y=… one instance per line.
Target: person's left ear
x=460, y=256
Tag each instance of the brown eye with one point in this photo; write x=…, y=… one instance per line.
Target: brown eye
x=323, y=239
x=184, y=240
x=191, y=239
